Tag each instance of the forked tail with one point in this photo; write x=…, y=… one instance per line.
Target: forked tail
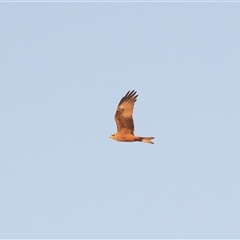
x=145, y=139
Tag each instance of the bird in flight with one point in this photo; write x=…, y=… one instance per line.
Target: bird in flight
x=124, y=120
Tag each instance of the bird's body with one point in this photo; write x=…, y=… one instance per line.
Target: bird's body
x=124, y=120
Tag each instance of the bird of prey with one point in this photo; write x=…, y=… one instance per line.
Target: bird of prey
x=124, y=120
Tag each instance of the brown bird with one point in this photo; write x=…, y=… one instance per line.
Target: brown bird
x=124, y=120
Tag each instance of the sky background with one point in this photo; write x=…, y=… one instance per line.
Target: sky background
x=63, y=69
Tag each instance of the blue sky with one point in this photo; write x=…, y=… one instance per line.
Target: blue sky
x=64, y=68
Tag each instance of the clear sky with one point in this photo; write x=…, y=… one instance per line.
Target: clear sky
x=64, y=68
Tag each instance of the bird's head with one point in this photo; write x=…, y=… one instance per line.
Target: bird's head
x=112, y=136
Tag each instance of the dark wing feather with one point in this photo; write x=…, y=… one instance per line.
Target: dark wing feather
x=123, y=116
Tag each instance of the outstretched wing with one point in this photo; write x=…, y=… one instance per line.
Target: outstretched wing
x=123, y=116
